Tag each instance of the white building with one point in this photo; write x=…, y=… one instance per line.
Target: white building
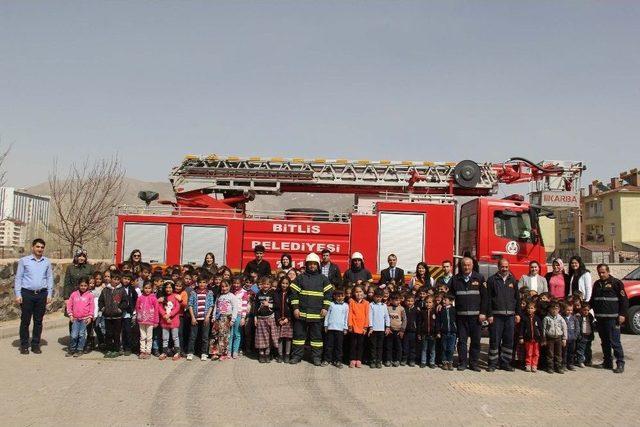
x=12, y=233
x=24, y=207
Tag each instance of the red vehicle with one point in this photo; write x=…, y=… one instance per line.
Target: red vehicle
x=632, y=287
x=408, y=208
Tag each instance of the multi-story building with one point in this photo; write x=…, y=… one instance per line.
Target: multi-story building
x=20, y=212
x=606, y=226
x=24, y=207
x=12, y=233
x=610, y=217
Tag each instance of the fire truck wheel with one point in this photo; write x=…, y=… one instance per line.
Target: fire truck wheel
x=633, y=321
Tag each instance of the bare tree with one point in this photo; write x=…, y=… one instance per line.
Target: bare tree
x=84, y=199
x=3, y=172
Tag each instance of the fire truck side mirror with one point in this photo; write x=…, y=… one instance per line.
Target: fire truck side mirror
x=467, y=174
x=148, y=196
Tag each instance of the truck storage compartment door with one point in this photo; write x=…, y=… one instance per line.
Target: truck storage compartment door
x=401, y=234
x=150, y=239
x=197, y=240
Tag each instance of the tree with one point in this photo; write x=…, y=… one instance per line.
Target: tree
x=3, y=172
x=85, y=198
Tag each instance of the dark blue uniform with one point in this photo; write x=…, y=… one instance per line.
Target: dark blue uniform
x=470, y=295
x=608, y=301
x=503, y=303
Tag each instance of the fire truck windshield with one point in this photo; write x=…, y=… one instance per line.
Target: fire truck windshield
x=514, y=225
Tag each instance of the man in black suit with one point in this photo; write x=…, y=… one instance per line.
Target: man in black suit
x=392, y=273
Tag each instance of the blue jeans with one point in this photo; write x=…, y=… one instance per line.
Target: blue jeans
x=78, y=335
x=428, y=347
x=236, y=336
x=448, y=346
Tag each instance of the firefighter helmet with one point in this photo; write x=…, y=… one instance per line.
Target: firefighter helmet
x=357, y=255
x=312, y=257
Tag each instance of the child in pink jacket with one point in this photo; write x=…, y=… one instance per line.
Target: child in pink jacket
x=148, y=315
x=170, y=321
x=80, y=308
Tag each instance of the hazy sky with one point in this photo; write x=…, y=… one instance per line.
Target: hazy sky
x=420, y=80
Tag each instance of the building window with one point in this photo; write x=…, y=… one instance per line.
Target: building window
x=610, y=204
x=613, y=229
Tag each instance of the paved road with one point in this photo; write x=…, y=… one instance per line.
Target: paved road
x=49, y=389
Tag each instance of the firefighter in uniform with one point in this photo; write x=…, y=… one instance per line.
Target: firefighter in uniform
x=470, y=294
x=310, y=299
x=610, y=304
x=502, y=308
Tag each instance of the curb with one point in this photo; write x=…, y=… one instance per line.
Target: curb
x=12, y=331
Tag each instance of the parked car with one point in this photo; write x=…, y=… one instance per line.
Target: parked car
x=632, y=287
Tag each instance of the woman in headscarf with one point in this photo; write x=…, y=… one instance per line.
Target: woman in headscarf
x=80, y=269
x=286, y=263
x=557, y=279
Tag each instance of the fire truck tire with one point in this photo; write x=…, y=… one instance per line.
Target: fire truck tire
x=633, y=323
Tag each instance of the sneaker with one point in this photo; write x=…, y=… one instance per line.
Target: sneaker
x=77, y=354
x=155, y=353
x=337, y=365
x=36, y=349
x=527, y=368
x=285, y=359
x=142, y=356
x=379, y=364
x=475, y=368
x=352, y=364
x=358, y=364
x=162, y=356
x=403, y=363
x=432, y=366
x=278, y=359
x=534, y=369
x=234, y=355
x=373, y=365
x=571, y=367
x=619, y=369
x=411, y=364
x=581, y=365
x=451, y=366
x=387, y=364
x=127, y=352
x=203, y=357
x=324, y=363
x=423, y=365
x=189, y=356
x=69, y=354
x=317, y=362
x=560, y=371
x=294, y=361
x=445, y=366
x=24, y=350
x=176, y=356
x=395, y=364
x=549, y=371
x=461, y=367
x=508, y=368
x=491, y=369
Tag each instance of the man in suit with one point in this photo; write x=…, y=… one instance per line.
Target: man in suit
x=392, y=272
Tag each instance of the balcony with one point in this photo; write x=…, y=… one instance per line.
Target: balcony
x=597, y=238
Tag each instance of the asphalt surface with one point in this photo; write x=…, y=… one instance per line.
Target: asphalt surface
x=50, y=389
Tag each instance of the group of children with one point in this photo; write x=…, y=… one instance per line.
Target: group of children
x=183, y=311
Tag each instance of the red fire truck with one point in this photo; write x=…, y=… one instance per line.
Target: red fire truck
x=421, y=211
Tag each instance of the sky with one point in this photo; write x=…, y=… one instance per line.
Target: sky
x=153, y=81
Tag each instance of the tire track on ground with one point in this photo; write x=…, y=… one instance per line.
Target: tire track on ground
x=335, y=414
x=367, y=413
x=163, y=406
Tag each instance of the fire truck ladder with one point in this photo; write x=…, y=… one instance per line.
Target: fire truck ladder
x=235, y=175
